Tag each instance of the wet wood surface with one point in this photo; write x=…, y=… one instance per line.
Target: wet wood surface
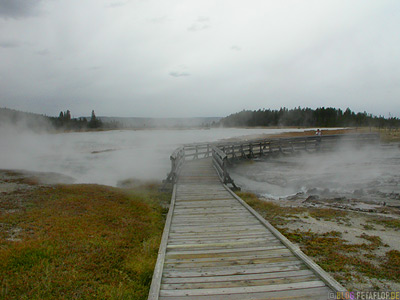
x=215, y=248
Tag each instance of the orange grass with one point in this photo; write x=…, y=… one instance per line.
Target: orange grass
x=81, y=242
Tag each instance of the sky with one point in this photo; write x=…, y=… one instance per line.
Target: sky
x=208, y=58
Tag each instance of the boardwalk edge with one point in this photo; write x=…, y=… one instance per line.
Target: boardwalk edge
x=158, y=269
x=323, y=275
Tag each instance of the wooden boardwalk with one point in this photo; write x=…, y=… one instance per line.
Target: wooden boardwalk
x=216, y=247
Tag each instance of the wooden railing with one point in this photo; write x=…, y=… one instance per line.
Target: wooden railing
x=220, y=162
x=177, y=158
x=197, y=151
x=256, y=148
x=224, y=154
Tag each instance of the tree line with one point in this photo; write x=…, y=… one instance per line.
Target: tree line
x=64, y=122
x=307, y=117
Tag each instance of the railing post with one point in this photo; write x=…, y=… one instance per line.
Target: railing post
x=225, y=171
x=173, y=169
x=242, y=151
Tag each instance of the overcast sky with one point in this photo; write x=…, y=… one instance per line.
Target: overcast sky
x=185, y=58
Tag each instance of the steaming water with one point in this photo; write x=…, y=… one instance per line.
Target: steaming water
x=104, y=157
x=371, y=174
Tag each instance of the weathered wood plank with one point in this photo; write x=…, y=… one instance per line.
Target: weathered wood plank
x=215, y=218
x=216, y=254
x=240, y=220
x=216, y=234
x=217, y=237
x=321, y=293
x=217, y=249
x=229, y=278
x=218, y=244
x=238, y=283
x=206, y=203
x=158, y=269
x=230, y=257
x=330, y=281
x=248, y=289
x=261, y=269
x=241, y=223
x=234, y=262
x=238, y=228
x=219, y=241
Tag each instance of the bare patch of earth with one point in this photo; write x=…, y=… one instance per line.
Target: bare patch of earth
x=16, y=189
x=375, y=227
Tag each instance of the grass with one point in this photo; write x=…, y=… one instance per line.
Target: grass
x=389, y=135
x=386, y=222
x=346, y=262
x=81, y=242
x=312, y=133
x=275, y=214
x=327, y=214
x=386, y=135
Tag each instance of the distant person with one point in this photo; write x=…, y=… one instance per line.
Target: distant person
x=318, y=134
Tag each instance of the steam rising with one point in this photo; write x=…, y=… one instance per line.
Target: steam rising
x=371, y=173
x=103, y=157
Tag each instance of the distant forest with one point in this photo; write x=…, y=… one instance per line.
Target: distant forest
x=64, y=122
x=307, y=117
x=299, y=117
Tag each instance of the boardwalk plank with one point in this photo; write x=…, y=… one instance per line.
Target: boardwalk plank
x=228, y=278
x=238, y=283
x=217, y=249
x=260, y=269
x=247, y=289
x=222, y=251
x=320, y=293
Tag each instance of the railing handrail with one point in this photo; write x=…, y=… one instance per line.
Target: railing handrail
x=223, y=152
x=220, y=162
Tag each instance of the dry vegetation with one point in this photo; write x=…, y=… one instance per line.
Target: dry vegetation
x=387, y=135
x=360, y=263
x=312, y=132
x=79, y=241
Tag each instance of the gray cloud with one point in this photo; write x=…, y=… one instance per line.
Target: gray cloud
x=201, y=23
x=95, y=68
x=8, y=44
x=198, y=27
x=43, y=52
x=236, y=48
x=19, y=8
x=203, y=19
x=116, y=4
x=86, y=56
x=159, y=20
x=179, y=74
